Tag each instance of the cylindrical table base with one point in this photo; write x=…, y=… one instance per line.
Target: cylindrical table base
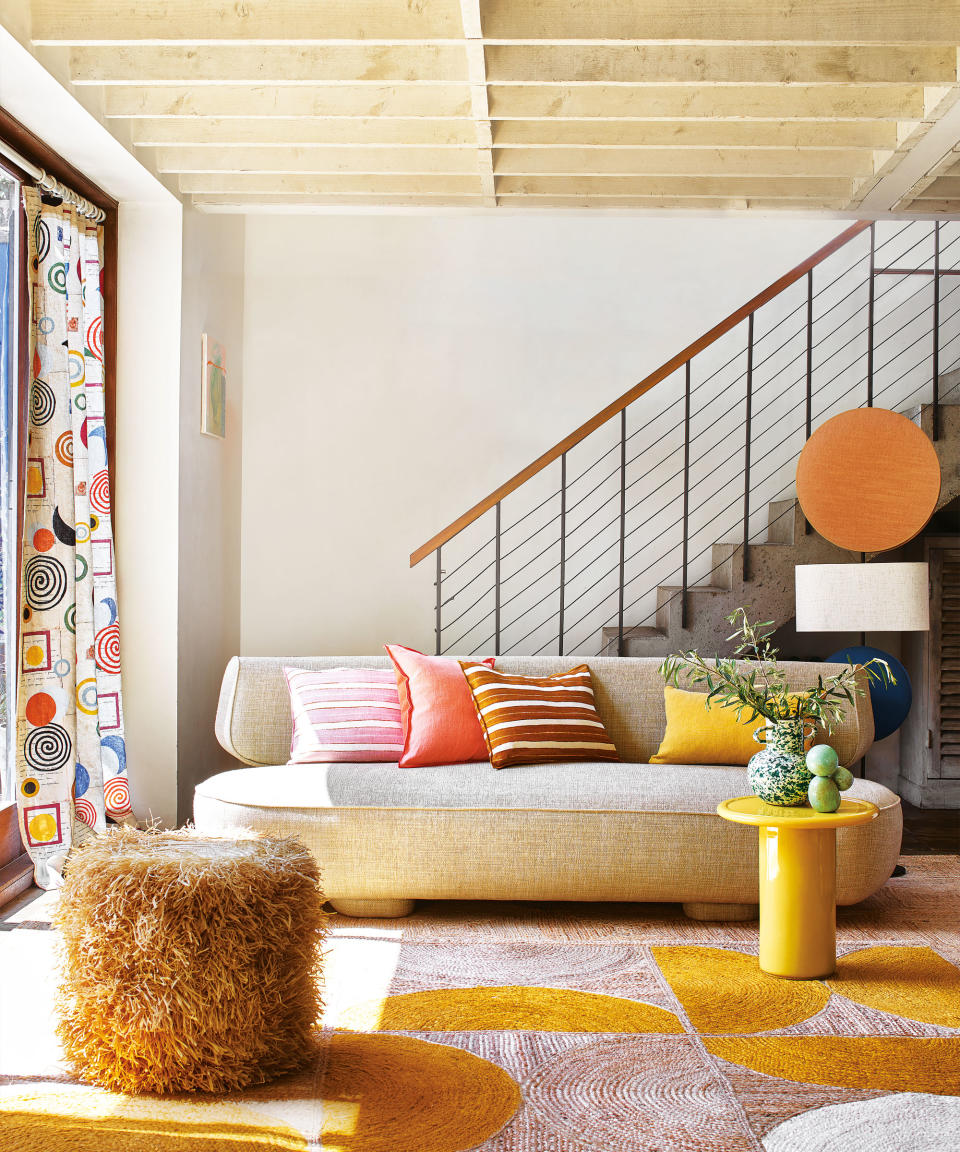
x=798, y=904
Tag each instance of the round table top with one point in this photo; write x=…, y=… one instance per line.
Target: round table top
x=753, y=810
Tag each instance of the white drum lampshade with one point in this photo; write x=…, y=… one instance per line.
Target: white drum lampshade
x=862, y=598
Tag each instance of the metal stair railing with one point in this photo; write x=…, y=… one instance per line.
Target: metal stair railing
x=581, y=550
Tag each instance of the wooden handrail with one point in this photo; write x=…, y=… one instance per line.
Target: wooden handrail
x=617, y=406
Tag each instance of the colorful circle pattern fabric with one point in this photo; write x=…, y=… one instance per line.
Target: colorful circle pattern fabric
x=108, y=649
x=48, y=748
x=116, y=794
x=69, y=670
x=44, y=582
x=43, y=403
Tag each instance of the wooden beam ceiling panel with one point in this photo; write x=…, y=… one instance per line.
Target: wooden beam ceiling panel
x=347, y=100
x=686, y=162
x=707, y=204
x=477, y=71
x=768, y=187
x=672, y=102
x=723, y=21
x=874, y=135
x=356, y=161
x=285, y=21
x=145, y=65
x=720, y=64
x=247, y=201
x=275, y=132
x=331, y=185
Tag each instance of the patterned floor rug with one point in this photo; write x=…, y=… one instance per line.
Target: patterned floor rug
x=559, y=1028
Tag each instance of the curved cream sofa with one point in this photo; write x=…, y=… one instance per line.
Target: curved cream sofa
x=385, y=836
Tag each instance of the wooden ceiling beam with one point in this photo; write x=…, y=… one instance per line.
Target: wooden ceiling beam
x=143, y=65
x=247, y=201
x=768, y=187
x=880, y=102
x=687, y=161
x=381, y=184
x=721, y=64
x=846, y=134
x=336, y=100
x=61, y=22
x=374, y=132
x=723, y=21
x=355, y=161
x=477, y=72
x=709, y=204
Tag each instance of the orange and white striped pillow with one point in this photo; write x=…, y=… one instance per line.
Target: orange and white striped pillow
x=538, y=719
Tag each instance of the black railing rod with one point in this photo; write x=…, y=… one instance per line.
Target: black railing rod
x=496, y=590
x=563, y=545
x=936, y=331
x=871, y=284
x=746, y=449
x=917, y=272
x=686, y=492
x=809, y=391
x=439, y=624
x=623, y=522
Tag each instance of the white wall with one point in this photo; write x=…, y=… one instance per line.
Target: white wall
x=146, y=521
x=397, y=369
x=209, y=580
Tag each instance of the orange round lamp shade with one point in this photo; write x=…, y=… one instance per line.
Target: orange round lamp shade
x=868, y=480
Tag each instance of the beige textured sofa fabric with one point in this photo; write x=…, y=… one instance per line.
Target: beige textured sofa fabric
x=574, y=831
x=253, y=720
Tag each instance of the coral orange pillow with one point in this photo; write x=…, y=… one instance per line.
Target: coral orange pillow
x=440, y=724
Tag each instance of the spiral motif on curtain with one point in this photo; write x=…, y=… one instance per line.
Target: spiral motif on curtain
x=48, y=748
x=44, y=582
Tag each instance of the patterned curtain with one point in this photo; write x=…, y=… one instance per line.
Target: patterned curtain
x=71, y=757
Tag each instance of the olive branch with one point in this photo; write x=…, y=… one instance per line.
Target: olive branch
x=762, y=690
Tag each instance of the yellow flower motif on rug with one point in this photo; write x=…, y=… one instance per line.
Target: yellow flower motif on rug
x=882, y=1063
x=725, y=991
x=73, y=1118
x=375, y=1093
x=911, y=982
x=519, y=1008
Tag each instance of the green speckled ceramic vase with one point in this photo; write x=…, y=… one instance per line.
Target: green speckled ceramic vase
x=779, y=774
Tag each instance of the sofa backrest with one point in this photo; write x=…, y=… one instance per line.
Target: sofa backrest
x=254, y=724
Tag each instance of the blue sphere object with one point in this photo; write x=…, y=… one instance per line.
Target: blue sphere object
x=890, y=702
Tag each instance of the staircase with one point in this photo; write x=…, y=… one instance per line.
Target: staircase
x=618, y=555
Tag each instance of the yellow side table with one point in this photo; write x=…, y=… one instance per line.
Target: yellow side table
x=798, y=881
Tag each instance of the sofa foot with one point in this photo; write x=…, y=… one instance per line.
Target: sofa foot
x=385, y=909
x=697, y=911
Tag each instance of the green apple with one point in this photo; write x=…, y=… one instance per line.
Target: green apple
x=824, y=794
x=843, y=779
x=822, y=760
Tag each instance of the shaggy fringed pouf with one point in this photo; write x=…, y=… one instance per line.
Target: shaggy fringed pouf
x=190, y=963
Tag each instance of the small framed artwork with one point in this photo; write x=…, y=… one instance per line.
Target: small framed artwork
x=213, y=394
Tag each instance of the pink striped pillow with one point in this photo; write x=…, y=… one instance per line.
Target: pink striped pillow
x=344, y=714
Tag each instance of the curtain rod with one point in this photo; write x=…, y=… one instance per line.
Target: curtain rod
x=48, y=184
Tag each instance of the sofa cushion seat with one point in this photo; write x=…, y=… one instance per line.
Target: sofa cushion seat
x=572, y=786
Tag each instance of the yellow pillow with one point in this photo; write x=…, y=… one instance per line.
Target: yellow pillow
x=704, y=735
